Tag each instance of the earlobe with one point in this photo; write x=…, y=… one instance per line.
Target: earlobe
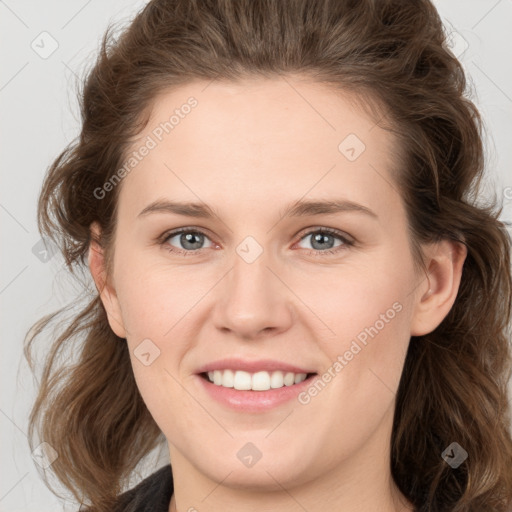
x=107, y=292
x=437, y=294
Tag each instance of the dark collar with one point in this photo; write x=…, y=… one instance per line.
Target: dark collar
x=153, y=494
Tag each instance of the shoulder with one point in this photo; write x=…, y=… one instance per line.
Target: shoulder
x=153, y=494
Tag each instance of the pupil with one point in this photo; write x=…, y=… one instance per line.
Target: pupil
x=320, y=237
x=189, y=239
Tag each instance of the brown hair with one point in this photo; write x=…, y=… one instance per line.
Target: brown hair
x=390, y=52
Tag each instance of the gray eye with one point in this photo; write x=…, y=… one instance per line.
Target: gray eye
x=321, y=241
x=189, y=240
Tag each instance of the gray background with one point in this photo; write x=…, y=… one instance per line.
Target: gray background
x=39, y=117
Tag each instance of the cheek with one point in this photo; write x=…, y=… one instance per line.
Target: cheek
x=352, y=300
x=154, y=298
x=367, y=313
x=364, y=360
x=159, y=308
x=155, y=305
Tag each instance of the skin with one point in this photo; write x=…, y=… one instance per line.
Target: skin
x=248, y=150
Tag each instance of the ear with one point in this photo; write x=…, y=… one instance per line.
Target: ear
x=437, y=294
x=107, y=292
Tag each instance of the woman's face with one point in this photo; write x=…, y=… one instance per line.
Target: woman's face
x=254, y=281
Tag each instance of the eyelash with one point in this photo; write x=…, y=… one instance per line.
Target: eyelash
x=328, y=231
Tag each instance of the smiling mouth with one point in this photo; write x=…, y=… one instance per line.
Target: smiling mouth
x=258, y=381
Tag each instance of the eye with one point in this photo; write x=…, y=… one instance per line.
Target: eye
x=191, y=240
x=323, y=240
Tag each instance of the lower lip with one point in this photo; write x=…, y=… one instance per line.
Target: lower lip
x=254, y=401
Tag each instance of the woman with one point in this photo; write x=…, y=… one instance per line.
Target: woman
x=297, y=290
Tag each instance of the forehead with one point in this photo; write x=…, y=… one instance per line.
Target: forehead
x=259, y=139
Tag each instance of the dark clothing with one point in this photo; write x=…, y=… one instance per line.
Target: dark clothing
x=153, y=494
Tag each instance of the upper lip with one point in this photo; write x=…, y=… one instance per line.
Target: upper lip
x=252, y=366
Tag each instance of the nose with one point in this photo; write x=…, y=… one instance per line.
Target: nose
x=253, y=300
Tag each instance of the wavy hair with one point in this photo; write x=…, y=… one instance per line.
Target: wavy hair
x=390, y=54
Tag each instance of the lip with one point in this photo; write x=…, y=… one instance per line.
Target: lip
x=252, y=366
x=253, y=401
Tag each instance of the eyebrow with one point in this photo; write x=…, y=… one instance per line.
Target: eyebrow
x=298, y=208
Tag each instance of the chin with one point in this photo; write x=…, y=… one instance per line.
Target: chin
x=276, y=468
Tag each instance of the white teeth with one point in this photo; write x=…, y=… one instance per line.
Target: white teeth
x=259, y=381
x=228, y=379
x=217, y=377
x=276, y=380
x=289, y=379
x=242, y=381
